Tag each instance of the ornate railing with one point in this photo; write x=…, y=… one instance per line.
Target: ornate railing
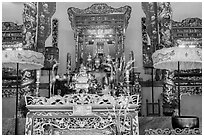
x=93, y=100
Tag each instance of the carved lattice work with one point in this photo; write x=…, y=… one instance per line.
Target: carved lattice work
x=82, y=112
x=51, y=123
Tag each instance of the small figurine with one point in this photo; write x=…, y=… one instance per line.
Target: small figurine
x=97, y=63
x=81, y=80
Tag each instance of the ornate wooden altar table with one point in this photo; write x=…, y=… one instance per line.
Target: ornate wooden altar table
x=82, y=114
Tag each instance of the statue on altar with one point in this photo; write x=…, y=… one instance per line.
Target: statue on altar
x=97, y=63
x=82, y=80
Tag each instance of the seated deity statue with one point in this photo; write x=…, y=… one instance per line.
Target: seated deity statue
x=82, y=79
x=97, y=63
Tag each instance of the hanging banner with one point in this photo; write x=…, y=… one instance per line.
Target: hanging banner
x=151, y=26
x=30, y=25
x=45, y=13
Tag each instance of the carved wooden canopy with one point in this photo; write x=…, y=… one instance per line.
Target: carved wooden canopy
x=99, y=31
x=99, y=14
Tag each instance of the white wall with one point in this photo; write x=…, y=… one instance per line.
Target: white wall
x=191, y=105
x=183, y=10
x=12, y=12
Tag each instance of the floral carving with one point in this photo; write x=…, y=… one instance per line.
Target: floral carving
x=99, y=8
x=80, y=99
x=38, y=123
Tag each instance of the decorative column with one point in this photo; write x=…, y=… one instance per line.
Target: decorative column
x=29, y=43
x=165, y=37
x=152, y=24
x=158, y=35
x=45, y=26
x=30, y=25
x=165, y=25
x=36, y=19
x=157, y=27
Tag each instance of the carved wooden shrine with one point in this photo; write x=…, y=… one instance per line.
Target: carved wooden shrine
x=105, y=97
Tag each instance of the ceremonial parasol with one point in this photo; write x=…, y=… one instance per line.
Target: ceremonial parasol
x=21, y=60
x=178, y=58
